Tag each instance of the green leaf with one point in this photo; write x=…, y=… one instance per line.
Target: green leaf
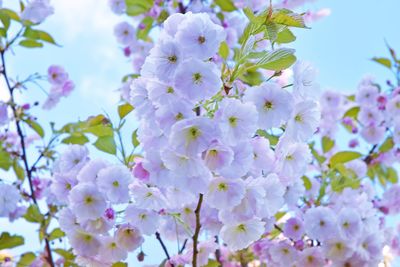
x=226, y=5
x=76, y=138
x=137, y=7
x=26, y=259
x=119, y=264
x=288, y=18
x=10, y=241
x=29, y=43
x=277, y=60
x=224, y=50
x=307, y=183
x=352, y=113
x=383, y=61
x=106, y=144
x=101, y=130
x=56, y=234
x=124, y=110
x=341, y=182
x=5, y=20
x=135, y=141
x=273, y=140
x=38, y=35
x=212, y=263
x=19, y=171
x=285, y=36
x=33, y=214
x=5, y=160
x=387, y=145
x=12, y=14
x=392, y=175
x=343, y=157
x=147, y=24
x=327, y=144
x=66, y=254
x=36, y=127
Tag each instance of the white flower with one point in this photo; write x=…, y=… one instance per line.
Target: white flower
x=236, y=120
x=114, y=181
x=9, y=197
x=225, y=193
x=87, y=202
x=199, y=36
x=89, y=172
x=124, y=32
x=128, y=237
x=197, y=80
x=304, y=84
x=37, y=11
x=73, y=159
x=240, y=235
x=304, y=120
x=83, y=243
x=274, y=104
x=110, y=250
x=145, y=220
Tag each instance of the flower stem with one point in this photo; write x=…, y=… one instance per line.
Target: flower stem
x=197, y=231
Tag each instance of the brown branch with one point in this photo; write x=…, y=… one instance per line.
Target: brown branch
x=23, y=148
x=196, y=231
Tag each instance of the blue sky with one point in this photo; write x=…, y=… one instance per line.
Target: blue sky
x=339, y=46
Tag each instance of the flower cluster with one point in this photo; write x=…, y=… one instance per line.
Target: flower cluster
x=62, y=86
x=92, y=190
x=198, y=140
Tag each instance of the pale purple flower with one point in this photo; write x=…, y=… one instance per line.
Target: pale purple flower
x=110, y=250
x=283, y=253
x=199, y=36
x=335, y=248
x=117, y=6
x=373, y=134
x=90, y=171
x=145, y=220
x=264, y=156
x=192, y=136
x=349, y=224
x=84, y=243
x=73, y=158
x=57, y=75
x=274, y=104
x=9, y=198
x=294, y=228
x=240, y=235
x=367, y=95
x=304, y=84
x=236, y=120
x=166, y=57
x=197, y=80
x=304, y=120
x=87, y=202
x=128, y=237
x=218, y=155
x=312, y=257
x=320, y=223
x=37, y=11
x=113, y=181
x=242, y=161
x=61, y=185
x=124, y=32
x=225, y=193
x=3, y=113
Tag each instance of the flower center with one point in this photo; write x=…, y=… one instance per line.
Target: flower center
x=172, y=59
x=201, y=39
x=268, y=105
x=197, y=78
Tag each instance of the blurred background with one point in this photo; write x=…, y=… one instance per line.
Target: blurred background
x=340, y=46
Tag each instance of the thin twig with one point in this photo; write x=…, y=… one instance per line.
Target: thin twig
x=197, y=231
x=158, y=236
x=28, y=170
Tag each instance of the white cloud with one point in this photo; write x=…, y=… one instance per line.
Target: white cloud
x=80, y=17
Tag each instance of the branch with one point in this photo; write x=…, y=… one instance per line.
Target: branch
x=197, y=231
x=23, y=147
x=163, y=246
